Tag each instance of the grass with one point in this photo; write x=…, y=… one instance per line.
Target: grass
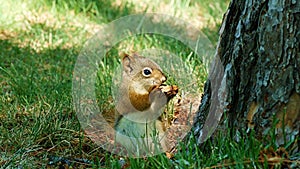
x=40, y=42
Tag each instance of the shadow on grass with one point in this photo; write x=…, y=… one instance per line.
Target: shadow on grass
x=37, y=119
x=30, y=74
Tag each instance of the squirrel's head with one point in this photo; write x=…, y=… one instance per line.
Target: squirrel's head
x=142, y=71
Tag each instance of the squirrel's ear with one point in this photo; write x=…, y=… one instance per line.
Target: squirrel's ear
x=127, y=62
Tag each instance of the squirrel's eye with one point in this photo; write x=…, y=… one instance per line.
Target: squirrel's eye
x=147, y=71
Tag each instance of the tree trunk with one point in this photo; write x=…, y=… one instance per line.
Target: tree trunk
x=260, y=53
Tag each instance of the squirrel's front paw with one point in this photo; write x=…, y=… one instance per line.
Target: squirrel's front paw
x=158, y=98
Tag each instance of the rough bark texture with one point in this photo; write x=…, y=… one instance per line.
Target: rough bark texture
x=260, y=52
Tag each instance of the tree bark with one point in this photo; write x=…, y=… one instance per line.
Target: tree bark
x=260, y=53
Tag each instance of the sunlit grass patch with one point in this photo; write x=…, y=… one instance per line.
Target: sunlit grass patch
x=43, y=27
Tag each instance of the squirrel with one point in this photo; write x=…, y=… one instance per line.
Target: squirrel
x=142, y=97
